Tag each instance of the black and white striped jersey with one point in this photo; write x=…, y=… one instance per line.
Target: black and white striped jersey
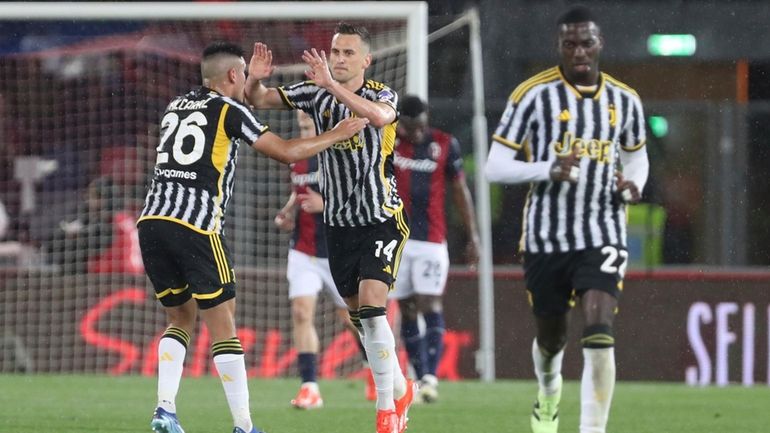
x=546, y=117
x=357, y=180
x=193, y=177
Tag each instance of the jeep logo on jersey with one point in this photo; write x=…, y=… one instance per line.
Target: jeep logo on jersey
x=353, y=144
x=598, y=150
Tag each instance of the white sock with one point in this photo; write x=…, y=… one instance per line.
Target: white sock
x=171, y=355
x=547, y=370
x=381, y=351
x=596, y=389
x=232, y=373
x=399, y=381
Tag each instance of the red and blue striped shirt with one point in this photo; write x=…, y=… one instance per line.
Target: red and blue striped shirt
x=422, y=172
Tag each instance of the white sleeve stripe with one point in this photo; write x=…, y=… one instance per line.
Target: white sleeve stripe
x=249, y=115
x=248, y=132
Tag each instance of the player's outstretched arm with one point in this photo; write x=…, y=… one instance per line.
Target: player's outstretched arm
x=296, y=149
x=261, y=67
x=284, y=219
x=379, y=114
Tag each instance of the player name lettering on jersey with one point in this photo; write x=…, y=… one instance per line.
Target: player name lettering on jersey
x=422, y=165
x=185, y=104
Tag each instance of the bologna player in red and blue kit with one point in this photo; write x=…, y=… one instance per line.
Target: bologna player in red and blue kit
x=308, y=271
x=426, y=162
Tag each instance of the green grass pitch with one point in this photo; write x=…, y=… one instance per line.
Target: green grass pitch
x=80, y=404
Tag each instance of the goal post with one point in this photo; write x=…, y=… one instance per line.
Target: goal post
x=81, y=117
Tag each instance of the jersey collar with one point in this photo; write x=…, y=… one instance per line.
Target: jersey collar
x=596, y=95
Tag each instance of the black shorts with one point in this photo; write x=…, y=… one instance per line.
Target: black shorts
x=182, y=264
x=555, y=279
x=366, y=253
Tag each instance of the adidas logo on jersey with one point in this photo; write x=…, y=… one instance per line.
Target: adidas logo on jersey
x=564, y=116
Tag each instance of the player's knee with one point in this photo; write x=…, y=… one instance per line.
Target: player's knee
x=551, y=345
x=597, y=336
x=183, y=317
x=301, y=314
x=370, y=312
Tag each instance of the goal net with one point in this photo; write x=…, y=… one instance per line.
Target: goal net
x=81, y=102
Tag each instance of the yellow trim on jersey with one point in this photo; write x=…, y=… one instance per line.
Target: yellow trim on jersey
x=388, y=144
x=620, y=84
x=178, y=221
x=527, y=146
x=599, y=91
x=171, y=291
x=635, y=147
x=282, y=94
x=208, y=296
x=223, y=257
x=216, y=259
x=577, y=93
x=403, y=227
x=543, y=77
x=220, y=259
x=569, y=86
x=509, y=143
x=220, y=151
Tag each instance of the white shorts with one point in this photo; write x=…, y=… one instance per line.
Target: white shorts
x=423, y=270
x=307, y=275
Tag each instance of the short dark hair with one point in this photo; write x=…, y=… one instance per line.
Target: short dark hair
x=344, y=28
x=411, y=106
x=221, y=47
x=576, y=14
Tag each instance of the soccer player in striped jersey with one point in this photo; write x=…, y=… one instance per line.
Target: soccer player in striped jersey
x=365, y=223
x=427, y=159
x=181, y=226
x=577, y=135
x=308, y=270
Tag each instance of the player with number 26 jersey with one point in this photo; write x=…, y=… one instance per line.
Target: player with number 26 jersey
x=193, y=179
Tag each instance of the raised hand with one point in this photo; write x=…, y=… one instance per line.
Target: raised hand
x=566, y=168
x=319, y=68
x=261, y=63
x=627, y=190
